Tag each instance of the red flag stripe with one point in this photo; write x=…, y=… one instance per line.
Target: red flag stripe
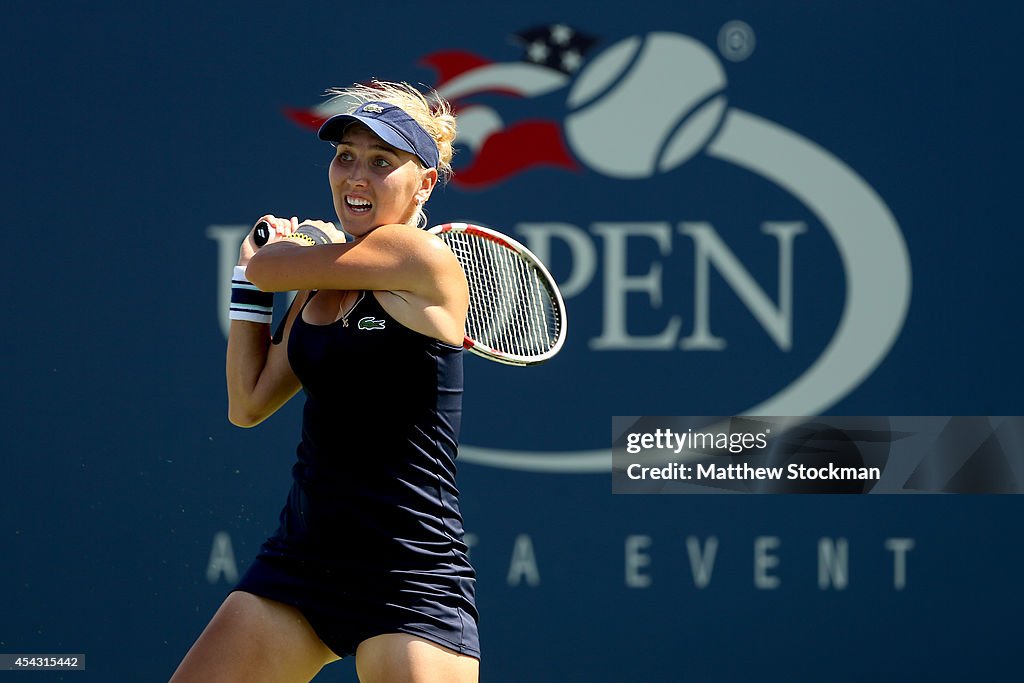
x=515, y=149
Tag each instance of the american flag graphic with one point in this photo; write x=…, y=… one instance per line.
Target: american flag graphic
x=498, y=146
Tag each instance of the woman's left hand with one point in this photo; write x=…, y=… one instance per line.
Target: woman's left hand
x=333, y=234
x=280, y=228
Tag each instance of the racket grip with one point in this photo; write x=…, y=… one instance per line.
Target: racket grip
x=261, y=235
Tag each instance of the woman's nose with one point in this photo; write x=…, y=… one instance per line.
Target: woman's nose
x=358, y=174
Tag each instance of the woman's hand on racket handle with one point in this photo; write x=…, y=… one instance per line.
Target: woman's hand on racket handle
x=268, y=229
x=322, y=230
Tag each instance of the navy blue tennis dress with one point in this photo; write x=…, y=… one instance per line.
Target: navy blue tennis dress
x=371, y=538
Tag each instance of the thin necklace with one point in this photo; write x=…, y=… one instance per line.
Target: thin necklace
x=346, y=314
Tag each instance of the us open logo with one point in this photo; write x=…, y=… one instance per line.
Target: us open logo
x=712, y=260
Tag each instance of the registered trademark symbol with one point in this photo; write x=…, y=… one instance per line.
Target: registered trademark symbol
x=736, y=41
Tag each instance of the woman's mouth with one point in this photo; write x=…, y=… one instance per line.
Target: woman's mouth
x=358, y=205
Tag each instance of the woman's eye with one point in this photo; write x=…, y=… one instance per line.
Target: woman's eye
x=381, y=163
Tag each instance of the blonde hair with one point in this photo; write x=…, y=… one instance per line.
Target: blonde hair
x=431, y=111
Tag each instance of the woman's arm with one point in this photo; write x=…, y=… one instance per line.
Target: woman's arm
x=416, y=276
x=397, y=258
x=259, y=377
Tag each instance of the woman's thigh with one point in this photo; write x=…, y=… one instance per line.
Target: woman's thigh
x=403, y=658
x=255, y=639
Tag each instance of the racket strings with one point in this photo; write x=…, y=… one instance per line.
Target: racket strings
x=511, y=307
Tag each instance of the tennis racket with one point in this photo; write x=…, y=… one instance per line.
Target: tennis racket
x=516, y=313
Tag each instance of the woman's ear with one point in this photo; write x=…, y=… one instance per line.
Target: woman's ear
x=427, y=183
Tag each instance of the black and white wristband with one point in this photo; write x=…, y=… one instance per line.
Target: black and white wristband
x=248, y=302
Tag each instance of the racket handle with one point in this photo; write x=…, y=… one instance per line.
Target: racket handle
x=261, y=235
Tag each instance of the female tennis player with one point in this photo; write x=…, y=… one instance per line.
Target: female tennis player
x=369, y=558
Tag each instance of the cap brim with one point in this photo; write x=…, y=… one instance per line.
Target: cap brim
x=334, y=127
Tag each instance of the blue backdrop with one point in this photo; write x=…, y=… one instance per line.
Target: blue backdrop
x=788, y=208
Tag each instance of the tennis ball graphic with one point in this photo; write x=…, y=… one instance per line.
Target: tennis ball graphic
x=645, y=105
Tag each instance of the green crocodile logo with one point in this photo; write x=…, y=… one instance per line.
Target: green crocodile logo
x=370, y=323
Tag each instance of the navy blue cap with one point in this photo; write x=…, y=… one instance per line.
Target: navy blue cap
x=391, y=124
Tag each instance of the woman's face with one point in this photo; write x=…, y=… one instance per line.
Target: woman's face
x=375, y=184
